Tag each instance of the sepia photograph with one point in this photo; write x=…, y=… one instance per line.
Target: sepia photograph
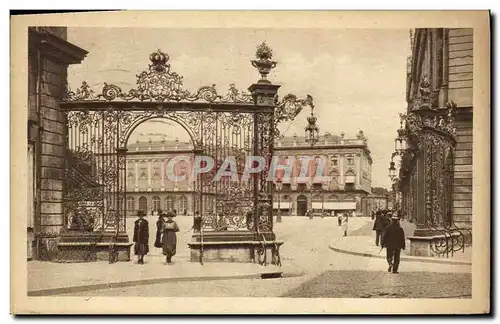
x=328, y=164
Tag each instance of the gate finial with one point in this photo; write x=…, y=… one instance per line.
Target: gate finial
x=264, y=63
x=159, y=60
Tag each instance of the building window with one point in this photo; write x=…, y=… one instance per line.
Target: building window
x=350, y=161
x=130, y=204
x=349, y=186
x=183, y=204
x=143, y=203
x=169, y=203
x=156, y=203
x=155, y=178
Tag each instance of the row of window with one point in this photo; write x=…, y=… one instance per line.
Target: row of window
x=317, y=197
x=169, y=203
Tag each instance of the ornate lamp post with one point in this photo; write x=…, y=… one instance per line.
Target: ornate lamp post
x=392, y=171
x=312, y=130
x=279, y=186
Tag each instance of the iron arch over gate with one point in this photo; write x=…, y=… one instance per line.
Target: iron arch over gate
x=237, y=125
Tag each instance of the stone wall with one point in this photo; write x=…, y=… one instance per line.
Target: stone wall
x=52, y=146
x=48, y=59
x=460, y=82
x=460, y=57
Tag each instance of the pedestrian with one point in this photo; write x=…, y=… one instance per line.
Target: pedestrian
x=345, y=219
x=373, y=215
x=339, y=219
x=159, y=228
x=379, y=226
x=169, y=239
x=141, y=237
x=394, y=241
x=185, y=212
x=197, y=222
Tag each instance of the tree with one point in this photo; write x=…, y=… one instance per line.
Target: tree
x=379, y=191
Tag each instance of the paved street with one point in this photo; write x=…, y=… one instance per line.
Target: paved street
x=311, y=269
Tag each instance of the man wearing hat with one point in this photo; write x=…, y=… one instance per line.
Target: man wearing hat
x=393, y=240
x=141, y=237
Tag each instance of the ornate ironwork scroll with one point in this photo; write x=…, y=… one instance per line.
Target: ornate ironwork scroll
x=221, y=126
x=157, y=84
x=431, y=133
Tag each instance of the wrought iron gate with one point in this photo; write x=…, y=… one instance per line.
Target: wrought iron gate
x=228, y=128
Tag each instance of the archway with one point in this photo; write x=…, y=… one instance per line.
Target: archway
x=234, y=124
x=301, y=205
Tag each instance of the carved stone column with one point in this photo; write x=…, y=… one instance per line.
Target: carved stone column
x=136, y=166
x=341, y=171
x=162, y=175
x=149, y=174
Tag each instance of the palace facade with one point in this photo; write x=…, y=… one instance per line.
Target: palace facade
x=346, y=162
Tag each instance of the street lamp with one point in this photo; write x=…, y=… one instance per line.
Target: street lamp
x=312, y=130
x=401, y=142
x=279, y=186
x=392, y=171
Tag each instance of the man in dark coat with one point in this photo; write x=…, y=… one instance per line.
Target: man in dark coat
x=141, y=237
x=197, y=222
x=394, y=241
x=381, y=222
x=159, y=228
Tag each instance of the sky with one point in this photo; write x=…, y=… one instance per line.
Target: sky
x=357, y=77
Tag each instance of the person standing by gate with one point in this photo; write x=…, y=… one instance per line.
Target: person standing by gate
x=159, y=228
x=169, y=240
x=141, y=237
x=394, y=241
x=197, y=222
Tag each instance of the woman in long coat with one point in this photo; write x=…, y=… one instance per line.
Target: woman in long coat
x=169, y=239
x=159, y=229
x=141, y=237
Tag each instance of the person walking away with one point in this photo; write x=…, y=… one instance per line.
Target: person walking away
x=394, y=241
x=345, y=219
x=141, y=237
x=169, y=240
x=378, y=227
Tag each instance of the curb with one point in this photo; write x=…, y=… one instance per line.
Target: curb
x=368, y=255
x=133, y=283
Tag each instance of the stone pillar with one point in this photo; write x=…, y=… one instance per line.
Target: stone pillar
x=149, y=174
x=357, y=166
x=48, y=58
x=341, y=171
x=162, y=175
x=136, y=166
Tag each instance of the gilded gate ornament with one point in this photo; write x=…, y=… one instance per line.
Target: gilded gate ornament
x=218, y=125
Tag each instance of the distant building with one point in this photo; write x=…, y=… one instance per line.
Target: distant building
x=346, y=161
